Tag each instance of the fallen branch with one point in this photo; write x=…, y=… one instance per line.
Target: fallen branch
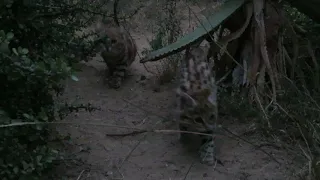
x=140, y=131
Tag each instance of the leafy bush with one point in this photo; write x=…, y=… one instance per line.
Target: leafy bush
x=299, y=106
x=38, y=46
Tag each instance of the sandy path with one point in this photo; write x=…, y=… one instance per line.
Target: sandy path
x=152, y=156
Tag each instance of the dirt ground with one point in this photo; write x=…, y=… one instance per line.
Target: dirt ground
x=155, y=156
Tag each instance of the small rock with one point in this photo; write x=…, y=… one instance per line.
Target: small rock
x=109, y=173
x=156, y=89
x=143, y=83
x=143, y=77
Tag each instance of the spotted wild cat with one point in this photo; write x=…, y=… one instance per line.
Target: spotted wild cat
x=197, y=100
x=118, y=50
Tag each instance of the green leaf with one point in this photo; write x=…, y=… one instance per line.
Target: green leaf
x=25, y=165
x=21, y=26
x=2, y=112
x=4, y=47
x=16, y=170
x=14, y=50
x=73, y=77
x=19, y=49
x=39, y=127
x=42, y=115
x=24, y=51
x=10, y=35
x=39, y=157
x=216, y=18
x=27, y=116
x=2, y=33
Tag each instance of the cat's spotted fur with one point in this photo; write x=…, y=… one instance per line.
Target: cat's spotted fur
x=118, y=49
x=197, y=100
